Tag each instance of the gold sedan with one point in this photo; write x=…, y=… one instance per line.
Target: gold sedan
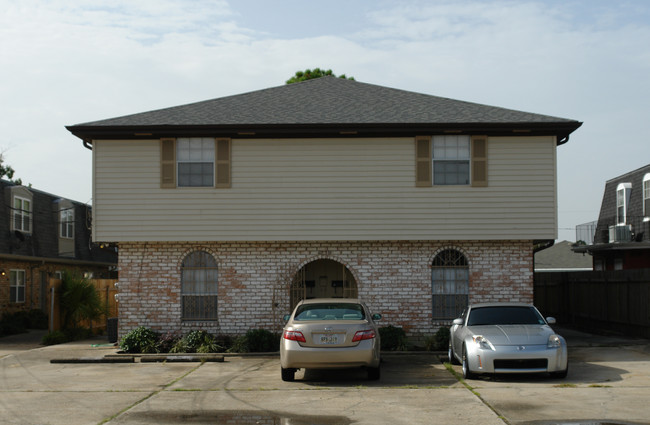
x=327, y=333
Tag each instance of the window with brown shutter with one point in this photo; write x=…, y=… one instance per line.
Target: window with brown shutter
x=167, y=163
x=423, y=161
x=222, y=165
x=479, y=161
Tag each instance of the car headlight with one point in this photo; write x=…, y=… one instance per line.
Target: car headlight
x=554, y=341
x=482, y=342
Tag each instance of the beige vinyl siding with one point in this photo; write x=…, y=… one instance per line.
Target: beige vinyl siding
x=327, y=189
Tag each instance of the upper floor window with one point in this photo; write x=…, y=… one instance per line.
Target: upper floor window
x=199, y=286
x=195, y=162
x=17, y=286
x=22, y=212
x=646, y=197
x=451, y=160
x=622, y=201
x=449, y=284
x=195, y=158
x=66, y=217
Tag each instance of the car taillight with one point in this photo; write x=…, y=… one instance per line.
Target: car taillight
x=361, y=335
x=294, y=336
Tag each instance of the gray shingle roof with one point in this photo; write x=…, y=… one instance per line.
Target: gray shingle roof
x=329, y=101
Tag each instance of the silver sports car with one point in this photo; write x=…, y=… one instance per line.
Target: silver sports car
x=506, y=338
x=330, y=333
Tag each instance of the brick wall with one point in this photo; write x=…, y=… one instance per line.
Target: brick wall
x=33, y=288
x=394, y=278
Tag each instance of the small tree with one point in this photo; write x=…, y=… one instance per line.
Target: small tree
x=8, y=171
x=79, y=300
x=309, y=74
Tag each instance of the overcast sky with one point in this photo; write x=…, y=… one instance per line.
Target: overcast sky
x=66, y=62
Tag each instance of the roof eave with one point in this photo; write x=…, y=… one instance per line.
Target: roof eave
x=559, y=129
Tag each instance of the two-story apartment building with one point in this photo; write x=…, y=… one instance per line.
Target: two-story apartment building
x=229, y=211
x=43, y=235
x=621, y=238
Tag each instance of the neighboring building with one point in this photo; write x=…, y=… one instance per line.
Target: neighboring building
x=43, y=235
x=622, y=234
x=561, y=258
x=229, y=211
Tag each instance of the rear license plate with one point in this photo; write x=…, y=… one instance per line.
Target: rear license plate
x=327, y=339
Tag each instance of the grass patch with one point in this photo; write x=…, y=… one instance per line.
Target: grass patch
x=599, y=386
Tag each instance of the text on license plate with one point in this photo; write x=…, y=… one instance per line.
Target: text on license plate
x=328, y=339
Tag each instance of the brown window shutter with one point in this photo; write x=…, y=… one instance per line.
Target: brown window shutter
x=479, y=161
x=222, y=163
x=423, y=161
x=167, y=163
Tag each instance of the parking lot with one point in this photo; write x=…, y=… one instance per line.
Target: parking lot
x=608, y=382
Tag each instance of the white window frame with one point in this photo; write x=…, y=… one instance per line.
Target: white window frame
x=646, y=197
x=16, y=282
x=622, y=201
x=22, y=214
x=66, y=217
x=447, y=150
x=192, y=151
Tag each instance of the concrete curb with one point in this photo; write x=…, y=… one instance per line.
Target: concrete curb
x=181, y=359
x=79, y=360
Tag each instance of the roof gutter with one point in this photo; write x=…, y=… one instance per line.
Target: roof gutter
x=542, y=244
x=88, y=144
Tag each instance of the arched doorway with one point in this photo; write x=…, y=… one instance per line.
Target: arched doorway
x=323, y=279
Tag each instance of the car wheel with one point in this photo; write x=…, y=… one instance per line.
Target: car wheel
x=452, y=355
x=288, y=375
x=560, y=375
x=373, y=373
x=467, y=373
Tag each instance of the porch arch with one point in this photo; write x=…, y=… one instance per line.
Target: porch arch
x=322, y=278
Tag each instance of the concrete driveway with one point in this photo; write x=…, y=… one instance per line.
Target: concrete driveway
x=608, y=381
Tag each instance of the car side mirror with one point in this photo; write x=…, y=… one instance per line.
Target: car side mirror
x=551, y=320
x=286, y=317
x=376, y=316
x=458, y=322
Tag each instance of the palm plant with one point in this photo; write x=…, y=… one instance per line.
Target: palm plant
x=79, y=300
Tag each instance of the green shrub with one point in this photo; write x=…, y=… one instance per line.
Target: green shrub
x=262, y=341
x=439, y=341
x=53, y=338
x=166, y=342
x=239, y=345
x=256, y=341
x=392, y=338
x=197, y=342
x=140, y=340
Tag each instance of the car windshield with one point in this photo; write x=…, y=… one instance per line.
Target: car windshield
x=504, y=316
x=329, y=311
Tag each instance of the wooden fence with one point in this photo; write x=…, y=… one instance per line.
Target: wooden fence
x=607, y=300
x=107, y=291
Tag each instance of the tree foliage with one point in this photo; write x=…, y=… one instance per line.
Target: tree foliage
x=7, y=171
x=79, y=300
x=309, y=74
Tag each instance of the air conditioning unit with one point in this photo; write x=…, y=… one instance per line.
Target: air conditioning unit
x=620, y=233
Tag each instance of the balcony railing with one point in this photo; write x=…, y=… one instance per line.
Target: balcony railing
x=609, y=230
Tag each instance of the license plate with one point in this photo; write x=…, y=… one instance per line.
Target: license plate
x=327, y=339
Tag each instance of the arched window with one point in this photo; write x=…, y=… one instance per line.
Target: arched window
x=199, y=287
x=449, y=284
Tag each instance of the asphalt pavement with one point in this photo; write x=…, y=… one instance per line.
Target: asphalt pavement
x=608, y=382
